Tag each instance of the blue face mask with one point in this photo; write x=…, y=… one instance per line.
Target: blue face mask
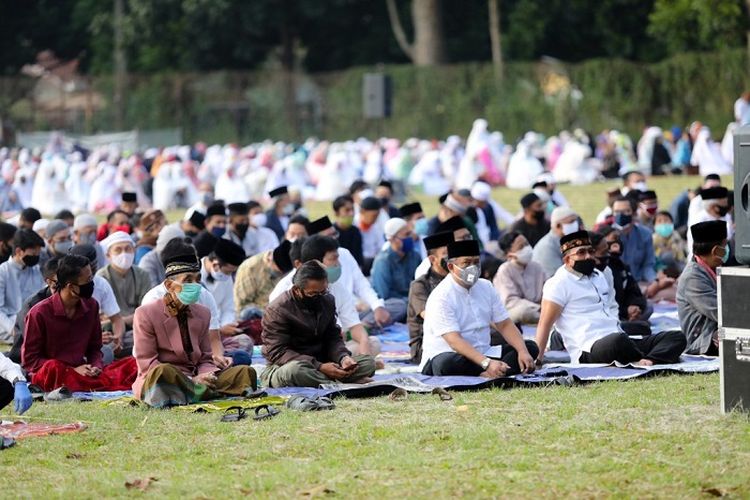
x=407, y=244
x=725, y=257
x=664, y=230
x=334, y=273
x=218, y=231
x=190, y=293
x=622, y=219
x=421, y=227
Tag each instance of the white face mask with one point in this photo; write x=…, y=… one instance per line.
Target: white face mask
x=469, y=275
x=640, y=186
x=123, y=260
x=259, y=220
x=219, y=276
x=569, y=228
x=523, y=256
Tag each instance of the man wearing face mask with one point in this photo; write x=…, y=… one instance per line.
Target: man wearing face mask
x=349, y=235
x=519, y=280
x=302, y=340
x=421, y=288
x=455, y=225
x=384, y=192
x=458, y=316
x=715, y=207
x=238, y=228
x=58, y=239
x=578, y=301
x=129, y=283
x=19, y=279
x=413, y=214
x=393, y=268
x=637, y=243
x=547, y=250
x=277, y=217
x=173, y=345
x=215, y=228
x=648, y=205
x=193, y=223
x=533, y=224
x=697, y=291
x=63, y=337
x=265, y=238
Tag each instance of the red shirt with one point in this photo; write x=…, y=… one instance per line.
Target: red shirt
x=50, y=334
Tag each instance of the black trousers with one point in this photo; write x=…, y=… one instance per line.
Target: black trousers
x=6, y=393
x=662, y=348
x=451, y=363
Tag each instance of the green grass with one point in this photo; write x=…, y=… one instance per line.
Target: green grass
x=661, y=437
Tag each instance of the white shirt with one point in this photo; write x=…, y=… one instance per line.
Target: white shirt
x=588, y=313
x=742, y=111
x=266, y=239
x=105, y=297
x=9, y=370
x=469, y=312
x=223, y=293
x=17, y=284
x=353, y=280
x=206, y=300
x=346, y=311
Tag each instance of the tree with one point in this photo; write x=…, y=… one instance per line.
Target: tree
x=428, y=48
x=684, y=25
x=497, y=52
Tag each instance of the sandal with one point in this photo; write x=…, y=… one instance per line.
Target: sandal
x=269, y=413
x=442, y=393
x=234, y=414
x=58, y=395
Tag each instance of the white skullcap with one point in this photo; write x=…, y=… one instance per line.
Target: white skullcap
x=40, y=225
x=84, y=220
x=393, y=226
x=481, y=191
x=561, y=213
x=455, y=205
x=114, y=238
x=167, y=234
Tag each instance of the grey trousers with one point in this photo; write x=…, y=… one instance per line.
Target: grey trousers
x=304, y=374
x=395, y=307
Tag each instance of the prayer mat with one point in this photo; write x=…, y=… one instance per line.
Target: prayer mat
x=22, y=430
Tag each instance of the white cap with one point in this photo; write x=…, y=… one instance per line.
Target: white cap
x=167, y=234
x=40, y=225
x=114, y=238
x=393, y=226
x=84, y=220
x=481, y=191
x=561, y=213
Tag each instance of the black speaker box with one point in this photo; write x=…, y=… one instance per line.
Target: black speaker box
x=741, y=187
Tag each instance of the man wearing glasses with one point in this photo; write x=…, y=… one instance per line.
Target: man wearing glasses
x=579, y=303
x=301, y=339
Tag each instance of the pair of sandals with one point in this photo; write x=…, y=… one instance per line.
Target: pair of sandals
x=401, y=394
x=237, y=413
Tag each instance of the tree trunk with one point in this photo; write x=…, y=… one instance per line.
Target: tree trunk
x=497, y=53
x=429, y=38
x=287, y=66
x=428, y=48
x=120, y=67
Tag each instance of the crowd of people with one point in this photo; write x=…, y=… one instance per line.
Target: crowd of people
x=173, y=311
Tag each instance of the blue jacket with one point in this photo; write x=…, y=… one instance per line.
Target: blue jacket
x=638, y=253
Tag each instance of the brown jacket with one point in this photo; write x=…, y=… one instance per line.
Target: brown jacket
x=291, y=332
x=157, y=340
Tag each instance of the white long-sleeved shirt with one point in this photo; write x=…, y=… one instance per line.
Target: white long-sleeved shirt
x=223, y=293
x=353, y=280
x=9, y=370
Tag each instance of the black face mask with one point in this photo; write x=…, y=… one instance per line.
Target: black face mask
x=191, y=234
x=585, y=267
x=384, y=201
x=30, y=260
x=539, y=214
x=603, y=263
x=444, y=264
x=312, y=303
x=241, y=229
x=86, y=291
x=722, y=211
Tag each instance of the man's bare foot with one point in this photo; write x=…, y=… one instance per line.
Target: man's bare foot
x=645, y=362
x=379, y=365
x=363, y=380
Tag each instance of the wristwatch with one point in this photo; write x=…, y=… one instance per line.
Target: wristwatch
x=485, y=363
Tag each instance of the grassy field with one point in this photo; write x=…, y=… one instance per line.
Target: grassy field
x=659, y=437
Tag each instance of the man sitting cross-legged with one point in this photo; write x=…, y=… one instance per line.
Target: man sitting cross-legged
x=458, y=317
x=301, y=339
x=578, y=301
x=172, y=344
x=63, y=337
